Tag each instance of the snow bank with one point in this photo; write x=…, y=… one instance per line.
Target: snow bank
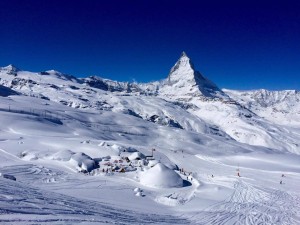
x=161, y=176
x=63, y=155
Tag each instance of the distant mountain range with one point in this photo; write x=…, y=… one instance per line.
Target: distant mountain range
x=184, y=100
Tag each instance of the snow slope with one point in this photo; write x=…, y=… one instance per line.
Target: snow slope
x=82, y=151
x=49, y=188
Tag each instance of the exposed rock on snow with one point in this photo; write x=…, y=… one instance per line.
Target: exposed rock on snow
x=161, y=176
x=4, y=91
x=139, y=194
x=7, y=176
x=10, y=69
x=103, y=143
x=109, y=85
x=165, y=121
x=85, y=142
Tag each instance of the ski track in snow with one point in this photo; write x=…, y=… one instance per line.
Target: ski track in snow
x=18, y=200
x=250, y=205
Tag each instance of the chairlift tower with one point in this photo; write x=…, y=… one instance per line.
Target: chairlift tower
x=152, y=150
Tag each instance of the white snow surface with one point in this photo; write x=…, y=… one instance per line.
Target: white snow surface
x=68, y=141
x=161, y=176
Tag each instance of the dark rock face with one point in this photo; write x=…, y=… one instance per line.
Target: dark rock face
x=5, y=91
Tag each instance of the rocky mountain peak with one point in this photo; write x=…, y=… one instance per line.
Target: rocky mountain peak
x=185, y=81
x=183, y=64
x=10, y=69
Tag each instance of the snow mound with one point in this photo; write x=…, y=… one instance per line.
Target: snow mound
x=82, y=162
x=29, y=156
x=139, y=194
x=161, y=176
x=136, y=155
x=137, y=190
x=63, y=155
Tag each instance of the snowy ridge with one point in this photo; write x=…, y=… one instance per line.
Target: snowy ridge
x=10, y=69
x=280, y=107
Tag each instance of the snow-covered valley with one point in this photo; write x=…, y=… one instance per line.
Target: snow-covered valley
x=177, y=151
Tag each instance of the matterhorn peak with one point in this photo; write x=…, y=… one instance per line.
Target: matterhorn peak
x=184, y=80
x=184, y=63
x=183, y=54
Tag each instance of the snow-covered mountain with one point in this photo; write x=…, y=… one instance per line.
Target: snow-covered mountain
x=254, y=117
x=184, y=82
x=280, y=107
x=54, y=125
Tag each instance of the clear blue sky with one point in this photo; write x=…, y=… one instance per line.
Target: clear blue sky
x=236, y=44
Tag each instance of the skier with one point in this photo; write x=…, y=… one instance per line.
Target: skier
x=280, y=182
